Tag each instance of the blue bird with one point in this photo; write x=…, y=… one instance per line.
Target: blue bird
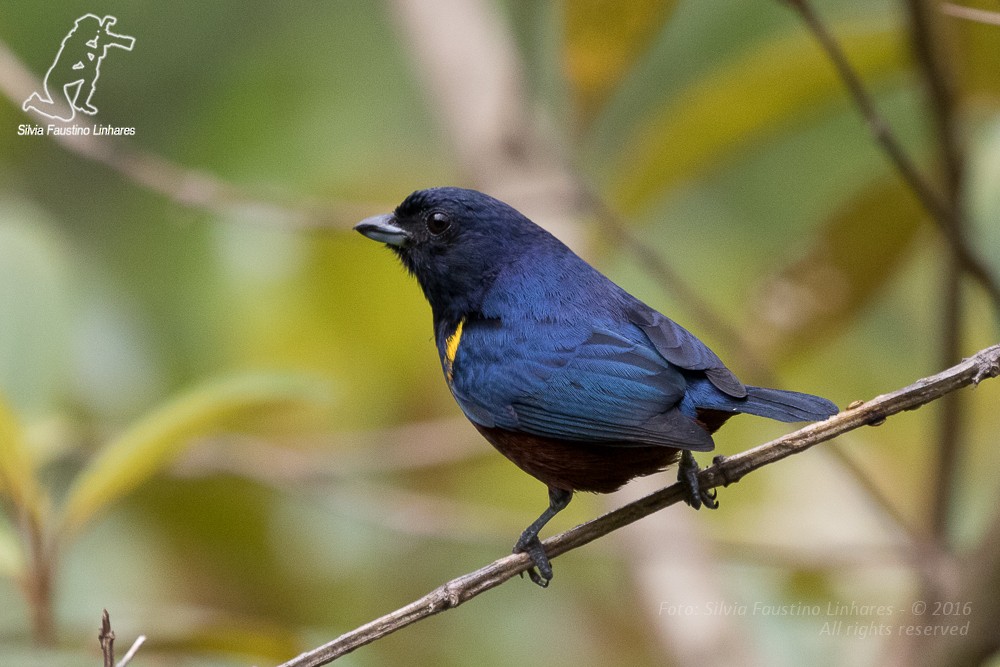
x=576, y=381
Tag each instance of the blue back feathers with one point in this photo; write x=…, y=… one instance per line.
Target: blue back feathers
x=534, y=339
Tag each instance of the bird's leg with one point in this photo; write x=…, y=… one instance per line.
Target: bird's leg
x=530, y=544
x=687, y=474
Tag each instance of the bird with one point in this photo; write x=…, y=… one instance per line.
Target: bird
x=577, y=382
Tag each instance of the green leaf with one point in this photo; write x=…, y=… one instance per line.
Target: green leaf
x=17, y=469
x=783, y=81
x=150, y=445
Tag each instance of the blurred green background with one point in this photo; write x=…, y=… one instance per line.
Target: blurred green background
x=222, y=416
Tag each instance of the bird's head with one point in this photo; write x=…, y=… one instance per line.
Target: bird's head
x=455, y=242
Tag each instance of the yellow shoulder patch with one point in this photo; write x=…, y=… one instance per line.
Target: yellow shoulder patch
x=451, y=348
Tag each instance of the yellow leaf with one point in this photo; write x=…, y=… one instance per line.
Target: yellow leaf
x=17, y=469
x=763, y=91
x=603, y=39
x=11, y=555
x=156, y=441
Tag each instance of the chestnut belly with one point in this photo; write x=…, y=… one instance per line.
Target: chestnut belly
x=579, y=466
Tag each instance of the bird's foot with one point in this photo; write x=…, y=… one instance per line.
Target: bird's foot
x=687, y=474
x=541, y=573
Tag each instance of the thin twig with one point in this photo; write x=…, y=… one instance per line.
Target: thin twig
x=866, y=105
x=950, y=426
x=932, y=63
x=106, y=636
x=38, y=581
x=932, y=200
x=136, y=645
x=984, y=364
x=970, y=13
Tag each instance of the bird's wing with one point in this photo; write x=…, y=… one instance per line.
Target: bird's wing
x=592, y=386
x=682, y=348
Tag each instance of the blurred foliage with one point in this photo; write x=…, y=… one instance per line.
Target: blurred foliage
x=718, y=131
x=846, y=263
x=602, y=40
x=144, y=449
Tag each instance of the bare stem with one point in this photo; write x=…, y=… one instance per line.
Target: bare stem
x=106, y=636
x=38, y=584
x=970, y=13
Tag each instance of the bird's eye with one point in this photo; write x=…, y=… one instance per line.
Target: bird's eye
x=438, y=223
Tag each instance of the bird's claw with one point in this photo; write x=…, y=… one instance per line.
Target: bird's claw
x=541, y=573
x=695, y=496
x=709, y=498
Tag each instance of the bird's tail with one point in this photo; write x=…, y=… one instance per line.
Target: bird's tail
x=786, y=406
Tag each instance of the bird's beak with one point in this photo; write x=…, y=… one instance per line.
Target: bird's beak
x=384, y=228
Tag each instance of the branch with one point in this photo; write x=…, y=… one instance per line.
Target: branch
x=106, y=636
x=729, y=470
x=129, y=654
x=932, y=62
x=934, y=202
x=970, y=13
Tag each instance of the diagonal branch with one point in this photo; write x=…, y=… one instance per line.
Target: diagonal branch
x=945, y=215
x=970, y=13
x=984, y=364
